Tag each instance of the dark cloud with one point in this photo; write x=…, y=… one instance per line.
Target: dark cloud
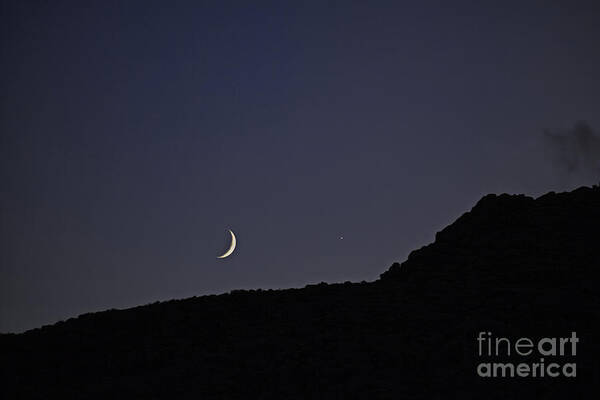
x=575, y=151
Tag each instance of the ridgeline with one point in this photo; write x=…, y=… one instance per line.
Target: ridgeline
x=513, y=266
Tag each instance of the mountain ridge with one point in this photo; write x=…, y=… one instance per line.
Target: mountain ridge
x=512, y=265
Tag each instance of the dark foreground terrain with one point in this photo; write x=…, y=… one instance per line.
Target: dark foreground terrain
x=513, y=266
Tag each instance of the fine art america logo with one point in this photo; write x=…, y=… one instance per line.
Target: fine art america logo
x=549, y=355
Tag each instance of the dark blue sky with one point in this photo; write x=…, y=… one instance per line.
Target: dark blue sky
x=134, y=134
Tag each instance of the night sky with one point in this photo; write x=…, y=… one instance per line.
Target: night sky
x=135, y=134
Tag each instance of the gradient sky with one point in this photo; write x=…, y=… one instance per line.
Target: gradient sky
x=134, y=134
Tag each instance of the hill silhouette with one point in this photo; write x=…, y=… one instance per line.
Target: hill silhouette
x=513, y=266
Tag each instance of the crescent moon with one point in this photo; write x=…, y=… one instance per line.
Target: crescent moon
x=231, y=248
